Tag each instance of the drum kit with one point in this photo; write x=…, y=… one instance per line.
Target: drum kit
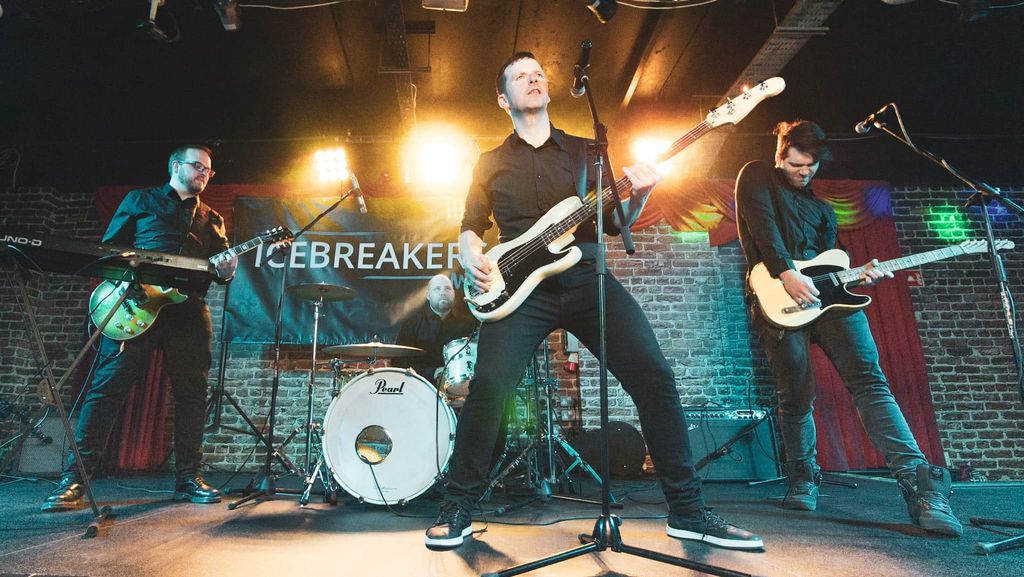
x=374, y=441
x=388, y=433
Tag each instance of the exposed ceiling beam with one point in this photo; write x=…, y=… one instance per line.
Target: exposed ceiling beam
x=395, y=60
x=805, y=20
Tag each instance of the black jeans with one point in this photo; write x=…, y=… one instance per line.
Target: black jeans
x=184, y=332
x=569, y=301
x=846, y=340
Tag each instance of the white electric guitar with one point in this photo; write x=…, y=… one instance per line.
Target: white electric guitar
x=519, y=265
x=832, y=274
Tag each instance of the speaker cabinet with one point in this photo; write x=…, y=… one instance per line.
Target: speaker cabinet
x=45, y=453
x=733, y=444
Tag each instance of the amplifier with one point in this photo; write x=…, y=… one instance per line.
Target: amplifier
x=44, y=454
x=733, y=444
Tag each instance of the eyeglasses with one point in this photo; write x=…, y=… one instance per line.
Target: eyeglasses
x=199, y=167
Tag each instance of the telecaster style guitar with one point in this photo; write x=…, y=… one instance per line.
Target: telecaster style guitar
x=138, y=312
x=519, y=265
x=832, y=276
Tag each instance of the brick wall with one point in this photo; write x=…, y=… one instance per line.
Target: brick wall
x=691, y=291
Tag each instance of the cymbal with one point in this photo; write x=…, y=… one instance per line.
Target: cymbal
x=313, y=291
x=373, y=349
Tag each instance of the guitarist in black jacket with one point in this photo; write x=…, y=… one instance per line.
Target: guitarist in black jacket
x=535, y=168
x=780, y=220
x=171, y=219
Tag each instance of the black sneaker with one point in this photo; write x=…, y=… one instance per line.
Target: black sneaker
x=801, y=496
x=453, y=524
x=927, y=491
x=705, y=525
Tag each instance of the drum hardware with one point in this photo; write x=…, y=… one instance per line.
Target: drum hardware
x=543, y=438
x=318, y=293
x=267, y=478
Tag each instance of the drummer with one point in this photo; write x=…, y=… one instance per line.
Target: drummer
x=441, y=321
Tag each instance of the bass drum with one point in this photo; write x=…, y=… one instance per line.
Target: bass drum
x=379, y=436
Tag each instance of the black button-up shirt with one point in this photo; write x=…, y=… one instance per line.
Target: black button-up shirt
x=517, y=184
x=777, y=223
x=158, y=219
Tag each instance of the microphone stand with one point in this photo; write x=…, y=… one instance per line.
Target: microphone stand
x=267, y=486
x=606, y=528
x=983, y=195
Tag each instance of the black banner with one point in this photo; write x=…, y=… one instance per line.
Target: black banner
x=386, y=256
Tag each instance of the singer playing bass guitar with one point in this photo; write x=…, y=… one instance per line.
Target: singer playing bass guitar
x=534, y=169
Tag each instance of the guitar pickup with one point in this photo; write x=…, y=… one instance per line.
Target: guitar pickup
x=798, y=308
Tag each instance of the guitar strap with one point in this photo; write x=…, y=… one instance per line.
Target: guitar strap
x=578, y=151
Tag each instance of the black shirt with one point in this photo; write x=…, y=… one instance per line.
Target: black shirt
x=517, y=184
x=158, y=219
x=425, y=330
x=778, y=223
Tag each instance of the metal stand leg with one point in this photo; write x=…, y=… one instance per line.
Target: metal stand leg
x=997, y=546
x=52, y=396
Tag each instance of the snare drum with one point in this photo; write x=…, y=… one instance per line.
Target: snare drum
x=460, y=360
x=385, y=419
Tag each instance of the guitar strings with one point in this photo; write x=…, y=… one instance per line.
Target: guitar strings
x=524, y=251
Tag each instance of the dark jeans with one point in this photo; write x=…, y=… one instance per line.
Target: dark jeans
x=183, y=331
x=569, y=301
x=846, y=340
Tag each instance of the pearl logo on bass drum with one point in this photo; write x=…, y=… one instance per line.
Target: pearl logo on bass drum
x=381, y=387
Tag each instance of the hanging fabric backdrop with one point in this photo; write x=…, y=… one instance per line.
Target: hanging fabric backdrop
x=387, y=256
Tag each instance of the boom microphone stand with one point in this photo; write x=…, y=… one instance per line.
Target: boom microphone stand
x=606, y=528
x=267, y=486
x=983, y=195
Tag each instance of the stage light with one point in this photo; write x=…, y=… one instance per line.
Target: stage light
x=604, y=10
x=227, y=10
x=647, y=150
x=437, y=157
x=332, y=164
x=449, y=5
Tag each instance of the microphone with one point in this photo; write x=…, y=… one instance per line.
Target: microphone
x=358, y=193
x=580, y=70
x=864, y=126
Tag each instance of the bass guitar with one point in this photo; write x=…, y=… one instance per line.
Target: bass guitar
x=832, y=276
x=138, y=312
x=519, y=265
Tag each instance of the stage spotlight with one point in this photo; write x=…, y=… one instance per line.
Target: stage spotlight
x=647, y=150
x=449, y=5
x=332, y=164
x=227, y=10
x=440, y=157
x=149, y=29
x=604, y=10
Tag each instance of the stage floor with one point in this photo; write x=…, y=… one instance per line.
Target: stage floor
x=855, y=532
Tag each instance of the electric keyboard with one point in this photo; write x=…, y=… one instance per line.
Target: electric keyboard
x=91, y=258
